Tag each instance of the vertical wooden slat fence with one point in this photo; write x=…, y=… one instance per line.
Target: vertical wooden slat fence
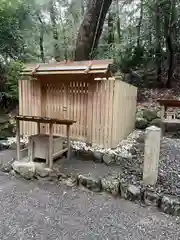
x=104, y=110
x=30, y=104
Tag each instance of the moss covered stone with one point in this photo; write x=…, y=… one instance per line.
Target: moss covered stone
x=141, y=123
x=156, y=122
x=139, y=113
x=149, y=115
x=111, y=184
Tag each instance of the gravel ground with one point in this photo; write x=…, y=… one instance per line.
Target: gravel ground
x=34, y=210
x=131, y=170
x=76, y=166
x=169, y=166
x=122, y=149
x=7, y=155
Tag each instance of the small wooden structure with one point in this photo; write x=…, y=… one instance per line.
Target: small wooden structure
x=103, y=107
x=168, y=117
x=43, y=146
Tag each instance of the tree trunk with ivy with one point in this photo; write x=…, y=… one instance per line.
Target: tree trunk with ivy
x=158, y=51
x=52, y=11
x=110, y=28
x=140, y=25
x=41, y=38
x=169, y=20
x=91, y=28
x=118, y=23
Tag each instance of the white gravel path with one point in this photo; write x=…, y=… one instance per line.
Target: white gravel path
x=33, y=210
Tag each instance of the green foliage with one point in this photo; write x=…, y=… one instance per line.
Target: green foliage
x=140, y=44
x=9, y=85
x=13, y=76
x=11, y=18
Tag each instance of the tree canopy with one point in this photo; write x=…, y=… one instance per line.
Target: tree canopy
x=142, y=36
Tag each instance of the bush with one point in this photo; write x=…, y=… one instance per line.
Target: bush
x=156, y=122
x=13, y=75
x=9, y=88
x=141, y=123
x=149, y=115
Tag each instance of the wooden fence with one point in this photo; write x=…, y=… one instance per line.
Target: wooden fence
x=104, y=110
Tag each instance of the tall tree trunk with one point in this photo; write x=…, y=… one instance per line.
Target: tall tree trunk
x=110, y=28
x=118, y=23
x=41, y=44
x=169, y=36
x=41, y=38
x=140, y=25
x=65, y=40
x=82, y=8
x=158, y=44
x=91, y=28
x=55, y=30
x=170, y=60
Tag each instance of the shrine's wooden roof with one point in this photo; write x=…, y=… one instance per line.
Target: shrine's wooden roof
x=94, y=67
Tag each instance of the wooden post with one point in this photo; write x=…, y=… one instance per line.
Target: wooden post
x=38, y=128
x=162, y=120
x=151, y=155
x=31, y=149
x=18, y=139
x=89, y=112
x=43, y=106
x=50, y=145
x=68, y=142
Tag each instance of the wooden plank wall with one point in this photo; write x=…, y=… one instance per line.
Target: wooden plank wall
x=104, y=110
x=125, y=100
x=68, y=101
x=100, y=112
x=112, y=114
x=29, y=104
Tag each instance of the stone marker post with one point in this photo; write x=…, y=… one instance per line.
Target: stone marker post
x=151, y=155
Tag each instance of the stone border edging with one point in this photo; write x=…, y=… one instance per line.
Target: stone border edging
x=100, y=157
x=166, y=203
x=113, y=185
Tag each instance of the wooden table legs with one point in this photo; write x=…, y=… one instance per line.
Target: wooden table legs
x=50, y=145
x=31, y=149
x=18, y=139
x=68, y=143
x=163, y=126
x=49, y=160
x=38, y=128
